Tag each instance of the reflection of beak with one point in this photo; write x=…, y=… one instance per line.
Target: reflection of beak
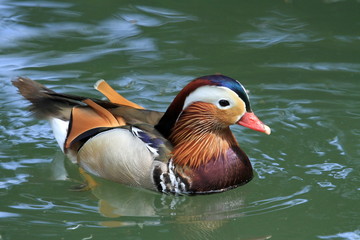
x=250, y=120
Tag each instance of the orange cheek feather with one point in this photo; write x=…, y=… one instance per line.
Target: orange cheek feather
x=229, y=116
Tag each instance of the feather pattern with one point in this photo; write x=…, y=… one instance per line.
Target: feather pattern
x=198, y=136
x=188, y=149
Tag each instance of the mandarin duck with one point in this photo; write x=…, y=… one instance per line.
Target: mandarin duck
x=189, y=149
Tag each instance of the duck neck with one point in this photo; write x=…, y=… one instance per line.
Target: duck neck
x=198, y=138
x=207, y=154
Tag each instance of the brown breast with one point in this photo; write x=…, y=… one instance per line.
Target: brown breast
x=227, y=171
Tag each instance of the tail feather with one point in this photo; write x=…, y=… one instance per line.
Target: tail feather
x=46, y=103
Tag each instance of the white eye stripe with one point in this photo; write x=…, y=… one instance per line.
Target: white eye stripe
x=211, y=94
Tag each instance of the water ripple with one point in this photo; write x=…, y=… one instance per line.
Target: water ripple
x=277, y=203
x=13, y=165
x=8, y=215
x=330, y=168
x=334, y=170
x=119, y=33
x=318, y=66
x=277, y=29
x=355, y=235
x=148, y=16
x=170, y=14
x=10, y=181
x=42, y=206
x=41, y=4
x=37, y=203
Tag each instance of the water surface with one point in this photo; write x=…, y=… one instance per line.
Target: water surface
x=300, y=60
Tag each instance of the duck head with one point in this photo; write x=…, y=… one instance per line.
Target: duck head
x=219, y=100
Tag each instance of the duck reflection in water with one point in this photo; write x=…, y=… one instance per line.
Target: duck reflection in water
x=200, y=217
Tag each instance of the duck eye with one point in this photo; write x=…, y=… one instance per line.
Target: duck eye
x=224, y=103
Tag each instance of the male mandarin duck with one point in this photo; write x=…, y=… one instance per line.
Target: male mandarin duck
x=189, y=149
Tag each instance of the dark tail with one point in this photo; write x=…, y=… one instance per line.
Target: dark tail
x=45, y=102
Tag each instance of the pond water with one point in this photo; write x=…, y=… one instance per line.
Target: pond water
x=300, y=60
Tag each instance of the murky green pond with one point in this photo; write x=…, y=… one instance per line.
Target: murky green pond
x=299, y=59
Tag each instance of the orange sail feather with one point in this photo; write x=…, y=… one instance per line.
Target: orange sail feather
x=103, y=87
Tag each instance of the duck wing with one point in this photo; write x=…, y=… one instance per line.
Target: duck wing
x=111, y=140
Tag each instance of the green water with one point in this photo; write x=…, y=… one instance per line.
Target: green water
x=300, y=60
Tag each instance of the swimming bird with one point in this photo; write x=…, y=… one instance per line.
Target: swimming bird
x=188, y=149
